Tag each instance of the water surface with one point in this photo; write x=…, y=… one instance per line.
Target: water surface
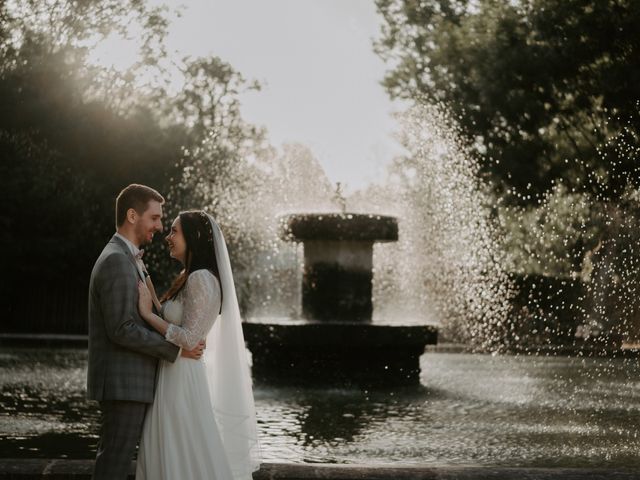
x=470, y=410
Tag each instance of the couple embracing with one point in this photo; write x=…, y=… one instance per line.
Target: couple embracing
x=171, y=374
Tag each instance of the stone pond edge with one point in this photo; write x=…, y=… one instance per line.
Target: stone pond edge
x=50, y=469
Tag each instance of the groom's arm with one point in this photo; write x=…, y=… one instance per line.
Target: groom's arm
x=118, y=301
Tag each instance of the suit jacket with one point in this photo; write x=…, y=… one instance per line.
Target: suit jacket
x=123, y=350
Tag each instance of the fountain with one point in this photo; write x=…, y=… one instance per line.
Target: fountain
x=336, y=342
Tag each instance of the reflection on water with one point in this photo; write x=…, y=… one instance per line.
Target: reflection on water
x=42, y=403
x=471, y=409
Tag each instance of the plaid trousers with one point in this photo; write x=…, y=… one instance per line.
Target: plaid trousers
x=120, y=431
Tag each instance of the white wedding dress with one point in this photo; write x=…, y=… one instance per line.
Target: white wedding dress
x=181, y=439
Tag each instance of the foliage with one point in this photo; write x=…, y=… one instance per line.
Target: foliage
x=72, y=134
x=610, y=269
x=65, y=157
x=553, y=237
x=536, y=85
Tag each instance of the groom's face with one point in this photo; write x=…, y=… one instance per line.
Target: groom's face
x=149, y=222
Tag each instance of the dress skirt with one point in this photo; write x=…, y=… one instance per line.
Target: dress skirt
x=180, y=438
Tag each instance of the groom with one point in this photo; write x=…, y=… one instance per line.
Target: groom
x=123, y=351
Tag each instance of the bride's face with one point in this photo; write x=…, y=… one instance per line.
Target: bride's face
x=176, y=242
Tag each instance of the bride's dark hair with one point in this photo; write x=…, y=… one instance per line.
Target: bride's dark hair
x=200, y=250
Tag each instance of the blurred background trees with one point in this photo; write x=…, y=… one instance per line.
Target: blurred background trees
x=538, y=86
x=545, y=93
x=73, y=133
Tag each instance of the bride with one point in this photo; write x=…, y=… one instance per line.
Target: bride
x=202, y=422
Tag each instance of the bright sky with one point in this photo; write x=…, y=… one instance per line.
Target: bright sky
x=319, y=73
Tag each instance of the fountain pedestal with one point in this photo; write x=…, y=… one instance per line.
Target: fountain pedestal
x=336, y=342
x=338, y=262
x=336, y=282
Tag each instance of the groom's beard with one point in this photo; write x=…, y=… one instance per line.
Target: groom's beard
x=145, y=237
x=146, y=243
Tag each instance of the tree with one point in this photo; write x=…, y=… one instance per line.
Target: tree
x=73, y=134
x=538, y=86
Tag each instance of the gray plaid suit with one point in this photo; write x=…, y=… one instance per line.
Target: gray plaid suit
x=123, y=357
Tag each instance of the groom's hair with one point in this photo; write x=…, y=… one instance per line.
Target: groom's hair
x=135, y=196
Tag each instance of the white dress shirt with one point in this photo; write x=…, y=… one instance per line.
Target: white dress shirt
x=134, y=251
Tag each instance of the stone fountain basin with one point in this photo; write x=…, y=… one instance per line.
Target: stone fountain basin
x=277, y=331
x=339, y=226
x=338, y=353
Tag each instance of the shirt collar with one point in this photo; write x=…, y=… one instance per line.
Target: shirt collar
x=134, y=250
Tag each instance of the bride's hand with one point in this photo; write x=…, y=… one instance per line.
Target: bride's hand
x=145, y=300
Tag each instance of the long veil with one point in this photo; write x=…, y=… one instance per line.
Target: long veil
x=229, y=376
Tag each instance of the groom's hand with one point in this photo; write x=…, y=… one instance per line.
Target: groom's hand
x=196, y=353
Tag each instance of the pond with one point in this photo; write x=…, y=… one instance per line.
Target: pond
x=471, y=409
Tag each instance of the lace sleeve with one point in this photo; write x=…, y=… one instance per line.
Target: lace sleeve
x=201, y=303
